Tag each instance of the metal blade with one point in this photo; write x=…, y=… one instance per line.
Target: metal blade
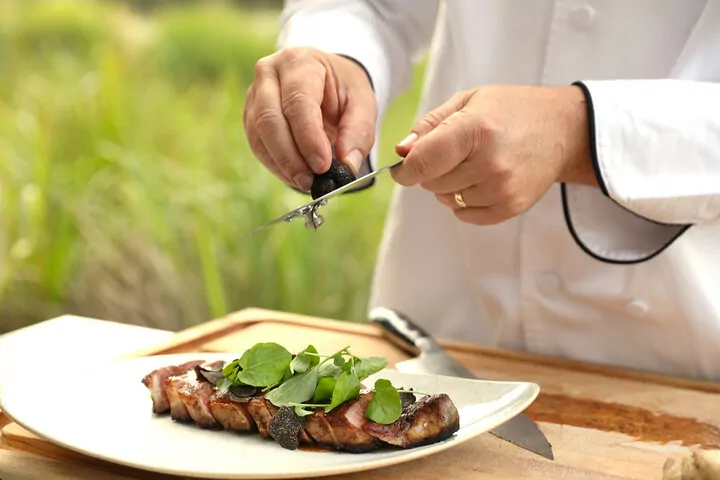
x=309, y=209
x=519, y=430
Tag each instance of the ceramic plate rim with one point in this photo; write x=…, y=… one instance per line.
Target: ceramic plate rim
x=406, y=456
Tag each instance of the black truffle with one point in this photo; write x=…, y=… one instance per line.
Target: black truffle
x=285, y=426
x=337, y=176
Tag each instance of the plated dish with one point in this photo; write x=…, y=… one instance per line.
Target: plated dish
x=109, y=414
x=303, y=399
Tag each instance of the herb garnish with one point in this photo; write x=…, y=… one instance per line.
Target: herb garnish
x=308, y=380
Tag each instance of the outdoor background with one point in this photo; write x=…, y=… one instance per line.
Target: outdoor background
x=127, y=187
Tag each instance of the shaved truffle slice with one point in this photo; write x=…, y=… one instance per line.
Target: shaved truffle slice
x=262, y=411
x=285, y=428
x=429, y=420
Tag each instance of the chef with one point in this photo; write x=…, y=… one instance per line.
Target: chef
x=560, y=192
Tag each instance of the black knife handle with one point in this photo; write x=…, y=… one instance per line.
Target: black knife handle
x=402, y=328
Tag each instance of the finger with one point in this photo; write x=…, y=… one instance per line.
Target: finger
x=302, y=88
x=275, y=133
x=465, y=175
x=483, y=215
x=431, y=121
x=482, y=194
x=356, y=132
x=260, y=151
x=438, y=152
x=487, y=215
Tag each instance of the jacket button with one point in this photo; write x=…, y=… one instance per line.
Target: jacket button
x=583, y=17
x=637, y=307
x=549, y=283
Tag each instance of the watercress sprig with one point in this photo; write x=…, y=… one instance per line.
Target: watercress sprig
x=308, y=380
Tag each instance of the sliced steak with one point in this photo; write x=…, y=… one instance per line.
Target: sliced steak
x=195, y=393
x=232, y=415
x=155, y=382
x=173, y=386
x=320, y=430
x=347, y=424
x=431, y=419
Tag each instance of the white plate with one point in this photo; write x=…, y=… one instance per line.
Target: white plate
x=104, y=411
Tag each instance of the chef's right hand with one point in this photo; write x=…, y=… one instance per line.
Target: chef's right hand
x=300, y=103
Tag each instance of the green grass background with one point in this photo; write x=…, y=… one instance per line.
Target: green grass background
x=127, y=187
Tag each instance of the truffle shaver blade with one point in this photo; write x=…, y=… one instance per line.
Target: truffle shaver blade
x=309, y=210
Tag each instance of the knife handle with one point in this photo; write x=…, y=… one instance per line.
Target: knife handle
x=403, y=329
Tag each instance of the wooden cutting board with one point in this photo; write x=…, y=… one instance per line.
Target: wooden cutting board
x=603, y=423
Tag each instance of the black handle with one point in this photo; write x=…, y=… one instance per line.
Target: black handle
x=403, y=329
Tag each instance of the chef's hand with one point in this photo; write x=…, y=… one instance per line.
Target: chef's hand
x=500, y=148
x=300, y=103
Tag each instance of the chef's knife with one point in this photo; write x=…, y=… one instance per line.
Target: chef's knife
x=309, y=210
x=519, y=430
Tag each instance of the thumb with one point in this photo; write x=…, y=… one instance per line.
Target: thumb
x=356, y=132
x=431, y=120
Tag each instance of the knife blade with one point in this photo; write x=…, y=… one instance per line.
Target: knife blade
x=309, y=210
x=432, y=358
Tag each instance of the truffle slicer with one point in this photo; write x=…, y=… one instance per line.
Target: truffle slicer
x=313, y=220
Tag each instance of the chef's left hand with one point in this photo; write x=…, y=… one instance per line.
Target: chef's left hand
x=500, y=147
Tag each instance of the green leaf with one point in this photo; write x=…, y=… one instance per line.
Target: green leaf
x=347, y=386
x=231, y=369
x=296, y=390
x=303, y=362
x=287, y=375
x=328, y=369
x=338, y=360
x=223, y=384
x=324, y=390
x=368, y=366
x=264, y=364
x=385, y=406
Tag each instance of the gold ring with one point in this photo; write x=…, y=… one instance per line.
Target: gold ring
x=459, y=200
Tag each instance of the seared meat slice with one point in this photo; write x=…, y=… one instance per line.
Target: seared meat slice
x=155, y=382
x=232, y=415
x=195, y=394
x=173, y=386
x=347, y=424
x=431, y=419
x=319, y=429
x=262, y=411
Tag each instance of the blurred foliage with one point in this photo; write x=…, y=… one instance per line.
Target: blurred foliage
x=127, y=188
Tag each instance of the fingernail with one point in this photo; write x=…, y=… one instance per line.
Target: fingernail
x=355, y=160
x=408, y=141
x=303, y=181
x=315, y=162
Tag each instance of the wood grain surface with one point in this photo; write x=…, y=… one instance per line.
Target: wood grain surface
x=603, y=423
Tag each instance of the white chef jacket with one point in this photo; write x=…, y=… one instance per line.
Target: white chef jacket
x=625, y=274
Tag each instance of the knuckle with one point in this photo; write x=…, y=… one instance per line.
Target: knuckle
x=267, y=120
x=263, y=67
x=485, y=133
x=298, y=54
x=506, y=190
x=420, y=166
x=500, y=168
x=293, y=104
x=429, y=121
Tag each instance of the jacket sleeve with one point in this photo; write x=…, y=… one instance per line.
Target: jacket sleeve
x=655, y=147
x=383, y=36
